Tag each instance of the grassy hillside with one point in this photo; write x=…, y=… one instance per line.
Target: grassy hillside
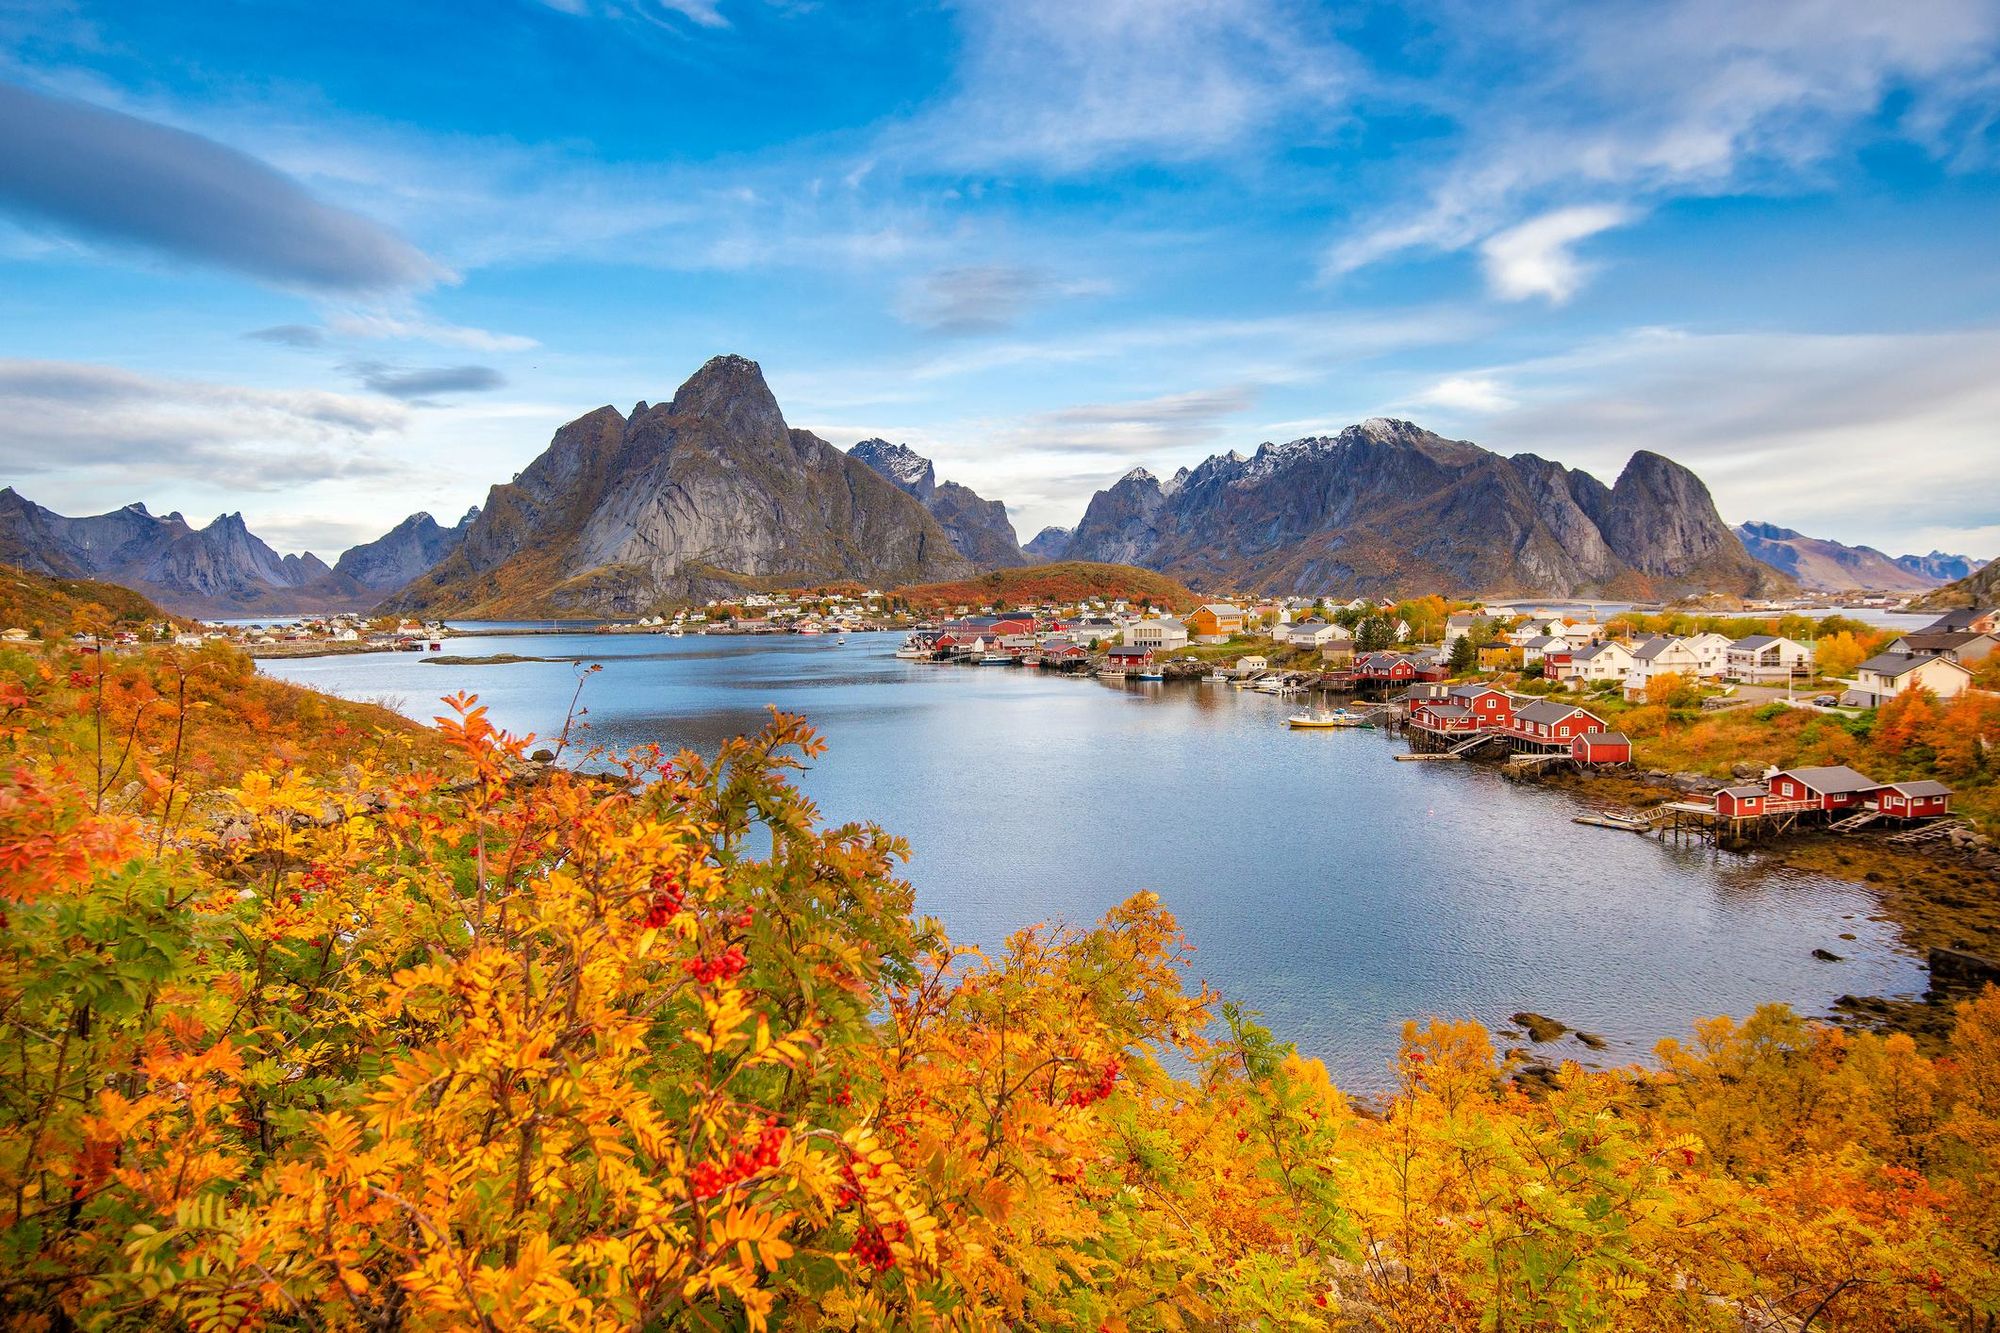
x=47, y=606
x=1065, y=581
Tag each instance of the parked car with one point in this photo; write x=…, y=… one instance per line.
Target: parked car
x=1825, y=701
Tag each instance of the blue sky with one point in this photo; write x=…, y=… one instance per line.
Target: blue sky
x=331, y=264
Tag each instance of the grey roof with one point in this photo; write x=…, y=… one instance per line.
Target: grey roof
x=1610, y=737
x=1893, y=665
x=1549, y=710
x=1472, y=690
x=1961, y=617
x=1543, y=641
x=1756, y=789
x=1222, y=608
x=1652, y=648
x=1833, y=779
x=1939, y=641
x=1922, y=787
x=1592, y=650
x=1751, y=643
x=1446, y=710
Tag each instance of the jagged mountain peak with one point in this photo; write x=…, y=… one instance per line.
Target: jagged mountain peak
x=729, y=391
x=1386, y=506
x=978, y=528
x=1138, y=474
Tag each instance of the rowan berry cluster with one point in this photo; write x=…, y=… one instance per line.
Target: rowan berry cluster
x=709, y=1179
x=1097, y=1089
x=725, y=966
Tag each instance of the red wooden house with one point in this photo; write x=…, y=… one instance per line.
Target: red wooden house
x=1443, y=717
x=1601, y=747
x=1912, y=800
x=1492, y=710
x=1833, y=787
x=1128, y=657
x=1741, y=802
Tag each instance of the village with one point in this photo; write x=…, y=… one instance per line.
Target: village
x=1535, y=691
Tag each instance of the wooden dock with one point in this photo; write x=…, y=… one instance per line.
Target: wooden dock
x=1441, y=756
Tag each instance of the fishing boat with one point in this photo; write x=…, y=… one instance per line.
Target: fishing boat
x=1149, y=673
x=1319, y=719
x=1214, y=678
x=997, y=659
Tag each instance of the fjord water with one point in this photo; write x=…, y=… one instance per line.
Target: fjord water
x=1327, y=886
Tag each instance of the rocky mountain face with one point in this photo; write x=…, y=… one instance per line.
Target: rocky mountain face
x=1829, y=566
x=220, y=570
x=1979, y=588
x=978, y=528
x=1051, y=543
x=704, y=496
x=1939, y=567
x=1386, y=507
x=411, y=548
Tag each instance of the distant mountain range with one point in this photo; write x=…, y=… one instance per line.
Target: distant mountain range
x=219, y=570
x=1829, y=566
x=713, y=493
x=1386, y=507
x=978, y=528
x=1979, y=588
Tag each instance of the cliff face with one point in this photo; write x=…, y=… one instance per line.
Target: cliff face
x=1830, y=566
x=411, y=548
x=1387, y=507
x=221, y=570
x=1051, y=543
x=704, y=496
x=978, y=528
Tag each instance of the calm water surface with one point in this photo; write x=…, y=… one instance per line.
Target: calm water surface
x=1322, y=883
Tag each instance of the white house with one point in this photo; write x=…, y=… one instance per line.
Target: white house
x=1662, y=655
x=1766, y=657
x=1459, y=625
x=1247, y=665
x=1537, y=646
x=1711, y=652
x=1309, y=633
x=1159, y=635
x=1595, y=663
x=1887, y=675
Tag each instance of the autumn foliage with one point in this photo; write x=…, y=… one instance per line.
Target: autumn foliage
x=416, y=1040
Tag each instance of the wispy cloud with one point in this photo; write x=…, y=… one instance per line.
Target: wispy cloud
x=66, y=416
x=423, y=386
x=290, y=335
x=1058, y=86
x=1466, y=393
x=1538, y=257
x=119, y=179
x=1639, y=102
x=983, y=298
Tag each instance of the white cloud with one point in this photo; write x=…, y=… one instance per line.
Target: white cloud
x=366, y=324
x=1538, y=257
x=1467, y=393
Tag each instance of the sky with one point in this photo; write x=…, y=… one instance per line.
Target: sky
x=331, y=264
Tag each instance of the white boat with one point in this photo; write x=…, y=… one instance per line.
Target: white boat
x=996, y=659
x=1150, y=673
x=1214, y=678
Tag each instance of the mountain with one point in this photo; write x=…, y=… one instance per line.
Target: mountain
x=411, y=548
x=1980, y=588
x=1829, y=566
x=978, y=528
x=707, y=495
x=1050, y=543
x=1387, y=507
x=220, y=570
x=1939, y=567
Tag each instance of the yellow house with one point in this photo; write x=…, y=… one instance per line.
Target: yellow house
x=1215, y=620
x=1499, y=657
